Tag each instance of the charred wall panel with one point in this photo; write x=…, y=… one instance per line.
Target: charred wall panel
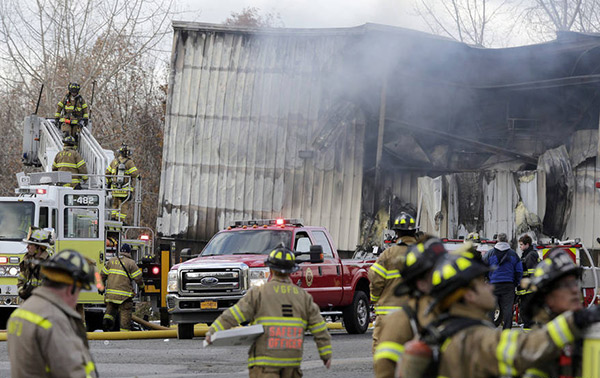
x=244, y=113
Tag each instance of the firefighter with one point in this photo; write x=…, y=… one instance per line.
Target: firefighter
x=121, y=171
x=69, y=160
x=285, y=311
x=117, y=275
x=554, y=289
x=529, y=259
x=38, y=241
x=46, y=337
x=384, y=275
x=401, y=326
x=464, y=299
x=72, y=112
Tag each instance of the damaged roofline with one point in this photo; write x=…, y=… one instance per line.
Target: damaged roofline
x=473, y=143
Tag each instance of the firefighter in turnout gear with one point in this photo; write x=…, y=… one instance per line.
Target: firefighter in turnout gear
x=72, y=112
x=46, y=337
x=38, y=241
x=286, y=312
x=384, y=275
x=469, y=343
x=69, y=160
x=403, y=325
x=121, y=171
x=117, y=276
x=554, y=287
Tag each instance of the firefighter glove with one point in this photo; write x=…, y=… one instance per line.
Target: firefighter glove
x=587, y=316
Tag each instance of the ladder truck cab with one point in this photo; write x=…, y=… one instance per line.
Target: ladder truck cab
x=79, y=220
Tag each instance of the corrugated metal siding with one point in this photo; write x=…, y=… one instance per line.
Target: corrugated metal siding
x=500, y=199
x=241, y=108
x=584, y=220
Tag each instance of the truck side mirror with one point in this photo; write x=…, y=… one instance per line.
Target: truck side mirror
x=316, y=254
x=186, y=254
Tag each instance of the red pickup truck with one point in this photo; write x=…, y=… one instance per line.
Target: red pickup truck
x=233, y=262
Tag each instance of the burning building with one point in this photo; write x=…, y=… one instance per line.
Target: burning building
x=343, y=127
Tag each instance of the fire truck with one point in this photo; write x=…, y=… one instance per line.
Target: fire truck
x=79, y=219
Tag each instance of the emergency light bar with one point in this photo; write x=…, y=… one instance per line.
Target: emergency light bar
x=3, y=260
x=268, y=222
x=144, y=237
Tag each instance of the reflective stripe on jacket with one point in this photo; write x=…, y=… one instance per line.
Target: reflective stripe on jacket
x=384, y=276
x=118, y=285
x=286, y=312
x=69, y=160
x=46, y=338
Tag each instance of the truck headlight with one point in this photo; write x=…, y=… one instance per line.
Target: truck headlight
x=172, y=281
x=13, y=271
x=259, y=276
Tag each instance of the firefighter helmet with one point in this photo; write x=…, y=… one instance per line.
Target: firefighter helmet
x=282, y=260
x=557, y=265
x=420, y=258
x=126, y=248
x=39, y=236
x=473, y=237
x=404, y=222
x=453, y=272
x=69, y=141
x=124, y=150
x=69, y=267
x=74, y=88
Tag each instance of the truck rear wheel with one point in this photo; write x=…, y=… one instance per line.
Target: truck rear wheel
x=185, y=331
x=356, y=316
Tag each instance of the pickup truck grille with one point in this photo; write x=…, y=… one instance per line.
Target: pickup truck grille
x=212, y=281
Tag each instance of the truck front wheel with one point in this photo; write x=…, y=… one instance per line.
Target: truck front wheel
x=185, y=331
x=356, y=316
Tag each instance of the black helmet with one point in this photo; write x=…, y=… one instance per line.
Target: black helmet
x=404, y=222
x=420, y=258
x=452, y=272
x=126, y=248
x=69, y=267
x=74, y=88
x=282, y=260
x=557, y=265
x=124, y=150
x=69, y=141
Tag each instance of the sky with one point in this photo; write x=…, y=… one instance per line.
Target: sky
x=325, y=13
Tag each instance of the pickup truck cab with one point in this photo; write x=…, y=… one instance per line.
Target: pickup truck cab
x=233, y=262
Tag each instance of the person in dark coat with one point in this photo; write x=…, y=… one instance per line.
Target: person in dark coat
x=529, y=258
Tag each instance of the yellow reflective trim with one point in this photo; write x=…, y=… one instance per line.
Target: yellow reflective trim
x=411, y=258
x=32, y=318
x=89, y=367
x=559, y=331
x=505, y=352
x=379, y=269
x=463, y=263
x=388, y=350
x=448, y=271
x=535, y=373
x=436, y=278
x=218, y=325
x=119, y=292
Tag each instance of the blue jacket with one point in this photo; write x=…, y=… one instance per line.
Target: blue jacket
x=508, y=266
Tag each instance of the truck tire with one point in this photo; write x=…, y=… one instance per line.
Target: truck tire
x=185, y=331
x=356, y=316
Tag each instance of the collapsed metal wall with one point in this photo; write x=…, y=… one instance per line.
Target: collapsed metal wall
x=244, y=137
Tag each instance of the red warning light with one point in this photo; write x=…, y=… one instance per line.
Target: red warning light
x=279, y=221
x=144, y=237
x=41, y=191
x=155, y=270
x=598, y=184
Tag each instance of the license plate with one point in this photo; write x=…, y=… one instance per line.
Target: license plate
x=208, y=305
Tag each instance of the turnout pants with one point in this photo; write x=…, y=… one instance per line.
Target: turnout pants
x=120, y=207
x=125, y=309
x=274, y=372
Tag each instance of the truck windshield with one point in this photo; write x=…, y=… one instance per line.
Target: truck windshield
x=246, y=242
x=15, y=220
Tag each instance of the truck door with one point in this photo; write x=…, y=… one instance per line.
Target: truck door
x=321, y=280
x=81, y=228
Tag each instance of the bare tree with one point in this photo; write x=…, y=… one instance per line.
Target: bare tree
x=545, y=17
x=467, y=21
x=112, y=42
x=252, y=17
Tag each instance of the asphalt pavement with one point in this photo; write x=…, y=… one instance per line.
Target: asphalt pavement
x=187, y=358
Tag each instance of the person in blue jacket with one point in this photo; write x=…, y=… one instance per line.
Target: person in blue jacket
x=505, y=277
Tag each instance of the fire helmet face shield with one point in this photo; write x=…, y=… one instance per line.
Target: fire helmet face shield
x=74, y=88
x=282, y=260
x=39, y=236
x=69, y=267
x=404, y=222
